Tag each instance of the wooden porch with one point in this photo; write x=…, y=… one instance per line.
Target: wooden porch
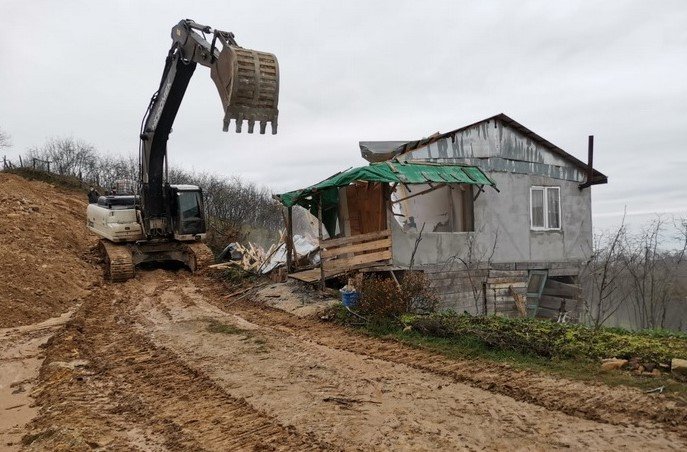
x=343, y=254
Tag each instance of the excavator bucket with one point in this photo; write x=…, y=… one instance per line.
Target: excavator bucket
x=248, y=83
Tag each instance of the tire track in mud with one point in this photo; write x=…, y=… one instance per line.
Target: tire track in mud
x=596, y=402
x=105, y=385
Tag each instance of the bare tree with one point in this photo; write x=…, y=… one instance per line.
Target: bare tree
x=603, y=276
x=5, y=140
x=476, y=259
x=68, y=157
x=652, y=273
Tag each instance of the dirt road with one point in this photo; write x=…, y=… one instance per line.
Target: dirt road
x=165, y=362
x=168, y=361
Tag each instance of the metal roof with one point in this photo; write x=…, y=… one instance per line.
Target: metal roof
x=390, y=172
x=379, y=151
x=413, y=145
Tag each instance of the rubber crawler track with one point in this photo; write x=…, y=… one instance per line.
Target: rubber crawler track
x=201, y=254
x=118, y=260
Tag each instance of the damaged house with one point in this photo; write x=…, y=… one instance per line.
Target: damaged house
x=496, y=216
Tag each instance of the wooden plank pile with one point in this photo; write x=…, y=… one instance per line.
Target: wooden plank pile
x=253, y=257
x=359, y=251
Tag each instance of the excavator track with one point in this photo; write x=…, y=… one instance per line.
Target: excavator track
x=119, y=264
x=202, y=256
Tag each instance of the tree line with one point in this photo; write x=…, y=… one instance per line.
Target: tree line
x=636, y=280
x=236, y=210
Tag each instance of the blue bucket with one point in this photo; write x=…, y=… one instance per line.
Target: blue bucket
x=349, y=299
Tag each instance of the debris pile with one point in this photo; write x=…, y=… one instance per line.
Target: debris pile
x=254, y=259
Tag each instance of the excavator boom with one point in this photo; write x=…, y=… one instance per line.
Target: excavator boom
x=167, y=222
x=248, y=85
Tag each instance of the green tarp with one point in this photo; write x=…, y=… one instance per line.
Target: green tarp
x=390, y=172
x=387, y=172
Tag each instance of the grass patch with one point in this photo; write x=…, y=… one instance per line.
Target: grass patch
x=217, y=327
x=582, y=370
x=486, y=338
x=247, y=335
x=556, y=340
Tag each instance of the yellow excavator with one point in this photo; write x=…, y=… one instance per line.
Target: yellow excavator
x=164, y=222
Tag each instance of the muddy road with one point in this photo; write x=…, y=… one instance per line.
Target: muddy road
x=167, y=361
x=170, y=361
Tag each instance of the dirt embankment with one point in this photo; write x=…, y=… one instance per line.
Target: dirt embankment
x=44, y=248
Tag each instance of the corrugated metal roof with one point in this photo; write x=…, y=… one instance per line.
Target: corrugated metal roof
x=390, y=172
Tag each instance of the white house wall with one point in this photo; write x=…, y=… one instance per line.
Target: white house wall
x=516, y=164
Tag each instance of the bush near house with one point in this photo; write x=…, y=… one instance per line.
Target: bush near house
x=556, y=340
x=385, y=298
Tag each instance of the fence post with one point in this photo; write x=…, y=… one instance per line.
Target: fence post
x=34, y=163
x=21, y=164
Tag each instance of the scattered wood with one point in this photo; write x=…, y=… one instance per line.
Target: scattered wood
x=561, y=290
x=659, y=390
x=238, y=292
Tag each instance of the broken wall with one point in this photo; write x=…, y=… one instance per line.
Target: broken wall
x=502, y=239
x=444, y=209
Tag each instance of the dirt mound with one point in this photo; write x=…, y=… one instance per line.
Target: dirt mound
x=43, y=243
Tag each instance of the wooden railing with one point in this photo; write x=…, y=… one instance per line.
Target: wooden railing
x=358, y=251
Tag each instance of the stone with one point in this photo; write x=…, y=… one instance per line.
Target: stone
x=678, y=369
x=613, y=364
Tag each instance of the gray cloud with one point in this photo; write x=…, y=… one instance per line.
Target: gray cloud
x=365, y=71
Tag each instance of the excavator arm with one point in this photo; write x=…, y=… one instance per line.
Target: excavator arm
x=248, y=86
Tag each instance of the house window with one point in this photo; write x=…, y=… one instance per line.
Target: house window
x=545, y=208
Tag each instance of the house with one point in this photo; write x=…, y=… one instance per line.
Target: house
x=497, y=217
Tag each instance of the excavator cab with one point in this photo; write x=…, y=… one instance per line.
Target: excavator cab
x=188, y=220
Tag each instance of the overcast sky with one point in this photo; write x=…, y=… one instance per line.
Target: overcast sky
x=368, y=70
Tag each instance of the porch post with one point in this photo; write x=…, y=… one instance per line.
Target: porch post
x=289, y=239
x=319, y=230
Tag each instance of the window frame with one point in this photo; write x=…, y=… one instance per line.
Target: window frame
x=545, y=205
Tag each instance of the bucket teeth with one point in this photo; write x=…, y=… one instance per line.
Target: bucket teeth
x=248, y=84
x=239, y=123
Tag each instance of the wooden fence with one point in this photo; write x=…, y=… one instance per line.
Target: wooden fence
x=340, y=255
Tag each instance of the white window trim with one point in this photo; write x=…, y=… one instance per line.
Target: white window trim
x=545, y=204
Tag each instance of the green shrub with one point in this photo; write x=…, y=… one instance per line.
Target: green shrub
x=556, y=340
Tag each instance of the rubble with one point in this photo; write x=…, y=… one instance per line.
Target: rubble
x=678, y=369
